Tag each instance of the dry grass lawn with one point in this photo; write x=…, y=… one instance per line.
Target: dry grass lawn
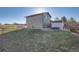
x=31, y=40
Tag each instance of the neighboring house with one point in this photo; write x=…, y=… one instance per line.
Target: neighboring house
x=59, y=25
x=38, y=21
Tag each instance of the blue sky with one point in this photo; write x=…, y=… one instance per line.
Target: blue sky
x=17, y=14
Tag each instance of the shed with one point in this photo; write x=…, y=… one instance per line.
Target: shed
x=38, y=21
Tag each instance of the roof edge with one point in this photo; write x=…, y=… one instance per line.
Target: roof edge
x=38, y=14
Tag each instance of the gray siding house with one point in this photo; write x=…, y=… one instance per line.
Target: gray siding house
x=38, y=21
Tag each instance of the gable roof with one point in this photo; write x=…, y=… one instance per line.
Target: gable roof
x=39, y=14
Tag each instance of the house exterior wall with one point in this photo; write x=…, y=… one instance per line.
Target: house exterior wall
x=35, y=22
x=58, y=25
x=46, y=20
x=38, y=22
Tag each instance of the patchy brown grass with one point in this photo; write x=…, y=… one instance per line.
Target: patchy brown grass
x=35, y=40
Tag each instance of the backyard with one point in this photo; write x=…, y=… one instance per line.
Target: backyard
x=35, y=40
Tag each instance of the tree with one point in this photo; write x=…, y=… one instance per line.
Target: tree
x=15, y=23
x=64, y=19
x=72, y=24
x=0, y=23
x=56, y=18
x=72, y=19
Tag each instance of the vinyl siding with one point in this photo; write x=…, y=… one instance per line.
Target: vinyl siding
x=58, y=25
x=35, y=22
x=38, y=21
